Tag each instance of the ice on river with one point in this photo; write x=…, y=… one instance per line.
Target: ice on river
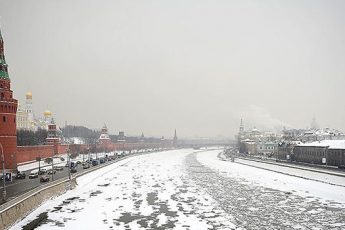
x=189, y=189
x=143, y=192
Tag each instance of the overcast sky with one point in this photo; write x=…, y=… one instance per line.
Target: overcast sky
x=197, y=66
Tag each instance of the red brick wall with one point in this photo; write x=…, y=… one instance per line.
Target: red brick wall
x=30, y=153
x=9, y=144
x=62, y=149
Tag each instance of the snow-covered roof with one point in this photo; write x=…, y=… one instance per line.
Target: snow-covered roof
x=332, y=144
x=248, y=140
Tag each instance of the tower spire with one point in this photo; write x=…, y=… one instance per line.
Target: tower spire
x=3, y=65
x=241, y=126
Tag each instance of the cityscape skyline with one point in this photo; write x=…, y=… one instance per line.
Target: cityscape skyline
x=313, y=125
x=185, y=114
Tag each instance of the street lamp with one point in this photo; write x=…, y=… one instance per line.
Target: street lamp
x=53, y=167
x=3, y=173
x=88, y=154
x=39, y=158
x=69, y=164
x=14, y=163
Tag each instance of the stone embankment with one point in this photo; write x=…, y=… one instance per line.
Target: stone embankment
x=19, y=207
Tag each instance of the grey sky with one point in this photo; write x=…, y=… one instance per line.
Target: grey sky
x=197, y=66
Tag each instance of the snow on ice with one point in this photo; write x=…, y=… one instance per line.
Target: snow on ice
x=188, y=189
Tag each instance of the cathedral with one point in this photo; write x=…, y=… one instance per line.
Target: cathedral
x=26, y=119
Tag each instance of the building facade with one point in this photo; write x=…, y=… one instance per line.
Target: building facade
x=29, y=108
x=22, y=119
x=326, y=152
x=254, y=141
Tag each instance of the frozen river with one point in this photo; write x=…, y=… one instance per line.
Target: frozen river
x=189, y=189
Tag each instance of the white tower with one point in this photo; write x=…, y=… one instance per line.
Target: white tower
x=29, y=108
x=104, y=134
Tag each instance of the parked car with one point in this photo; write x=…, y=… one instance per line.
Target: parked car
x=101, y=161
x=33, y=175
x=58, y=168
x=42, y=171
x=95, y=162
x=73, y=170
x=44, y=178
x=86, y=165
x=20, y=175
x=51, y=171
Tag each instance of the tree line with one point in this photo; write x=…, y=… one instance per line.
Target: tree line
x=29, y=138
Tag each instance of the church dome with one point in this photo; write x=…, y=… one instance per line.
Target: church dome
x=47, y=113
x=29, y=95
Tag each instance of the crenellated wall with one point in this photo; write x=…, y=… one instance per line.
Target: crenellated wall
x=30, y=153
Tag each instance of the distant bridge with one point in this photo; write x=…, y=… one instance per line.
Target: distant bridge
x=199, y=143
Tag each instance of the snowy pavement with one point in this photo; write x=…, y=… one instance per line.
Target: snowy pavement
x=59, y=160
x=188, y=189
x=299, y=172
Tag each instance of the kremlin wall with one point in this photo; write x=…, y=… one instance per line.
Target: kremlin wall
x=13, y=117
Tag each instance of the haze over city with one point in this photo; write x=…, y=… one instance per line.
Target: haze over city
x=197, y=66
x=184, y=114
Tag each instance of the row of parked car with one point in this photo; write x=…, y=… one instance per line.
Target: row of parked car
x=102, y=160
x=44, y=172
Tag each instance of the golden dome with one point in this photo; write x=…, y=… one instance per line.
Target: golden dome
x=47, y=113
x=29, y=95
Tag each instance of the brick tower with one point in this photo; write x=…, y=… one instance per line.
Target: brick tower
x=8, y=110
x=52, y=137
x=104, y=142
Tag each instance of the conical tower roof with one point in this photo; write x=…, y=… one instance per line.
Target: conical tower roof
x=3, y=65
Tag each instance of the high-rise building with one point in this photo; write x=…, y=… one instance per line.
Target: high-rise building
x=313, y=124
x=8, y=110
x=175, y=139
x=241, y=127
